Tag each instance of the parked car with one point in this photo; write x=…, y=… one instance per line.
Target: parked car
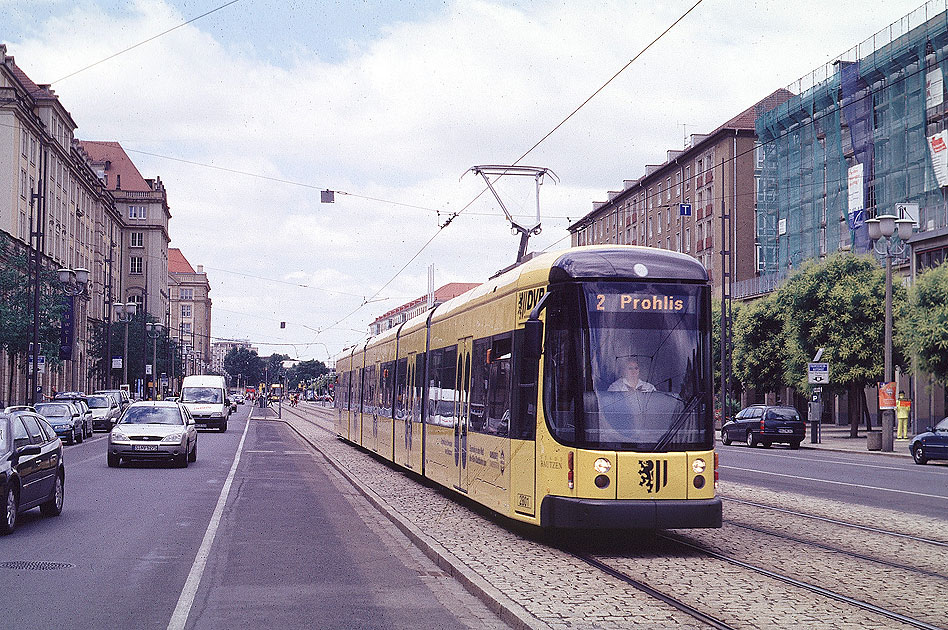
x=154, y=430
x=80, y=400
x=121, y=397
x=65, y=418
x=31, y=467
x=933, y=444
x=765, y=424
x=105, y=411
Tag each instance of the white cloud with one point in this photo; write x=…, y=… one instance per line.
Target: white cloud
x=401, y=119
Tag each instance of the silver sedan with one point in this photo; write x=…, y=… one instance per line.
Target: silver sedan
x=156, y=431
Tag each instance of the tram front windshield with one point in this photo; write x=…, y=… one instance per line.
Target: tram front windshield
x=626, y=366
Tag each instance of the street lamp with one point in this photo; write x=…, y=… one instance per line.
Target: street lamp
x=154, y=330
x=882, y=231
x=124, y=312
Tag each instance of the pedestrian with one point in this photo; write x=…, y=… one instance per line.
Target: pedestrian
x=902, y=409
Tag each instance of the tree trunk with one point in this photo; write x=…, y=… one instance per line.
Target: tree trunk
x=854, y=408
x=11, y=366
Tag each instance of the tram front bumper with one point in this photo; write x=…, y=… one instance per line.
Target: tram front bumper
x=571, y=513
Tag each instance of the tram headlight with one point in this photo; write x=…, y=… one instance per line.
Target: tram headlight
x=602, y=465
x=698, y=466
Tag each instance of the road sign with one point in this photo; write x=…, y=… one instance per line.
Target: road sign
x=40, y=364
x=684, y=209
x=817, y=373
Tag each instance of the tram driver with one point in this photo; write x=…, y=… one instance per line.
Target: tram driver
x=629, y=370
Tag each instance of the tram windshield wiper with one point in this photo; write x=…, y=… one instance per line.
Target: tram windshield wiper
x=678, y=422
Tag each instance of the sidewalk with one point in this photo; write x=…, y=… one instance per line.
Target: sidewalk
x=837, y=438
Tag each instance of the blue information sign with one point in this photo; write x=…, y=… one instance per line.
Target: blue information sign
x=684, y=209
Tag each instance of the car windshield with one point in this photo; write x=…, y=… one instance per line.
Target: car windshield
x=627, y=366
x=151, y=415
x=201, y=395
x=942, y=426
x=99, y=402
x=53, y=411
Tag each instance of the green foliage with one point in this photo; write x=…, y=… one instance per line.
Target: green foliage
x=306, y=370
x=141, y=348
x=924, y=328
x=245, y=365
x=838, y=305
x=760, y=344
x=16, y=306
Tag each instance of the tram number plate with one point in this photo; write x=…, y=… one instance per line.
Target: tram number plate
x=784, y=430
x=146, y=447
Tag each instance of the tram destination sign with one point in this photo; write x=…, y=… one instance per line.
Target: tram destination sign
x=817, y=373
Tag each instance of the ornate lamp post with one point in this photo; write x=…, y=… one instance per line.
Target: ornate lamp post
x=154, y=331
x=124, y=313
x=883, y=231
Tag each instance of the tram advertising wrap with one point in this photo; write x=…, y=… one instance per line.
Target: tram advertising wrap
x=573, y=391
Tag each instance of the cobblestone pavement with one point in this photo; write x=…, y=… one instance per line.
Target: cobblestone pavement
x=534, y=584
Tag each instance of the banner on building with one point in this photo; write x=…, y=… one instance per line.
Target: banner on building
x=938, y=146
x=934, y=88
x=66, y=329
x=857, y=215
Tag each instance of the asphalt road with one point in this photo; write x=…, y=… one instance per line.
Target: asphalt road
x=862, y=478
x=152, y=546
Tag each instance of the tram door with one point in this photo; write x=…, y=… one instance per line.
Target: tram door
x=462, y=410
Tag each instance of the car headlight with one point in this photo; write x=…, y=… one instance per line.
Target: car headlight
x=217, y=414
x=698, y=466
x=60, y=427
x=602, y=465
x=173, y=438
x=118, y=436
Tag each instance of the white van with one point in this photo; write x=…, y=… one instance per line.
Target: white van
x=205, y=396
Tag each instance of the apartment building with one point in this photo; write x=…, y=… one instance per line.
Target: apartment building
x=190, y=311
x=49, y=188
x=417, y=306
x=220, y=349
x=678, y=204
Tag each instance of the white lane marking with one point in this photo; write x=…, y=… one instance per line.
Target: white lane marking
x=180, y=616
x=836, y=483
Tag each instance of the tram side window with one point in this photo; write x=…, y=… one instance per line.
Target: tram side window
x=523, y=423
x=386, y=378
x=368, y=389
x=434, y=365
x=401, y=392
x=498, y=408
x=419, y=384
x=447, y=384
x=337, y=401
x=357, y=389
x=479, y=378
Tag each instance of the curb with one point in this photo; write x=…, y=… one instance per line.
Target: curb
x=500, y=604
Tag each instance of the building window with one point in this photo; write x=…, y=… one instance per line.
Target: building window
x=668, y=189
x=138, y=239
x=186, y=294
x=186, y=328
x=687, y=239
x=185, y=310
x=139, y=302
x=136, y=212
x=135, y=264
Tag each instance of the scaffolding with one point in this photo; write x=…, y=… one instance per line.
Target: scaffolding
x=867, y=107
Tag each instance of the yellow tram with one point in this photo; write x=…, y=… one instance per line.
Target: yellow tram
x=573, y=391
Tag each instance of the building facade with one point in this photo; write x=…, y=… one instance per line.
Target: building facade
x=50, y=193
x=712, y=176
x=142, y=247
x=417, y=306
x=190, y=311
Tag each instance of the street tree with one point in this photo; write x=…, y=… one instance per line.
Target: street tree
x=141, y=348
x=760, y=343
x=838, y=305
x=924, y=328
x=306, y=370
x=244, y=364
x=16, y=311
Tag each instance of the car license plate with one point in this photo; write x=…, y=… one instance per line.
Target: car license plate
x=784, y=430
x=146, y=447
x=201, y=425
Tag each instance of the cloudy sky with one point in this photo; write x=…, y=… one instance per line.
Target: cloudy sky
x=247, y=113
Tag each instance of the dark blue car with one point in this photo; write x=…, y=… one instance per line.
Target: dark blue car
x=933, y=444
x=31, y=466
